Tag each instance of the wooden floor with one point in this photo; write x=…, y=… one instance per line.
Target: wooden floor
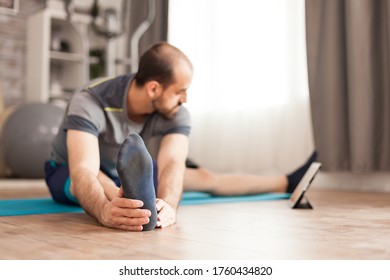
x=343, y=225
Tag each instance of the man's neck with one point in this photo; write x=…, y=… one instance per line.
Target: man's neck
x=138, y=106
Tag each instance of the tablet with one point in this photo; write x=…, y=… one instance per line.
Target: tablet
x=303, y=185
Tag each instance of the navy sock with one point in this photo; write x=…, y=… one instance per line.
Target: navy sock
x=296, y=176
x=135, y=169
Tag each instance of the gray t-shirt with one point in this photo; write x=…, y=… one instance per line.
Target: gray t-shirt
x=100, y=109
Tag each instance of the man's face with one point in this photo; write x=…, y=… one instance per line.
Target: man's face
x=168, y=103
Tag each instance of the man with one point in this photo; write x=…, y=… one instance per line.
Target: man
x=83, y=167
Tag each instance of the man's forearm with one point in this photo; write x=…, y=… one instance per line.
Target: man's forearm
x=170, y=186
x=89, y=192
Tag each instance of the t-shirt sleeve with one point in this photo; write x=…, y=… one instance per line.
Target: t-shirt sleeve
x=181, y=123
x=85, y=114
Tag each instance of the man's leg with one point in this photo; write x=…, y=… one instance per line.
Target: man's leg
x=201, y=179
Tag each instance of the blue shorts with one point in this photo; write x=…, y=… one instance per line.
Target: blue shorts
x=58, y=180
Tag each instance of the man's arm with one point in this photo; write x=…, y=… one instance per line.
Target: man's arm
x=171, y=162
x=84, y=165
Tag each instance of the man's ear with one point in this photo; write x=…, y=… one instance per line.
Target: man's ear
x=153, y=88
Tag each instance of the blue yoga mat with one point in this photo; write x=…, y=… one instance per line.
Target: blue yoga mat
x=33, y=206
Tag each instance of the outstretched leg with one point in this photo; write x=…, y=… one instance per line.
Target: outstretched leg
x=201, y=179
x=135, y=170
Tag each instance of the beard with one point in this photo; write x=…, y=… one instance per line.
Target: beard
x=167, y=113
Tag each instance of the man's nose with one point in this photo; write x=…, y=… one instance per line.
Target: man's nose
x=183, y=99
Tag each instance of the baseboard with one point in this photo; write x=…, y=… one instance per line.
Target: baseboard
x=12, y=184
x=371, y=182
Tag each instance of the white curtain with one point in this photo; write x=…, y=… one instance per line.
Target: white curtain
x=249, y=98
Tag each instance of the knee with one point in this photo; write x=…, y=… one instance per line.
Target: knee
x=208, y=178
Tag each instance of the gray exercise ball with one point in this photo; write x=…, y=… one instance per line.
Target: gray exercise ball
x=27, y=137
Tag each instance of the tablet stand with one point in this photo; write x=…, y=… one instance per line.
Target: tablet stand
x=302, y=205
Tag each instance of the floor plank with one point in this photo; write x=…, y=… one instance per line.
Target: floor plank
x=343, y=225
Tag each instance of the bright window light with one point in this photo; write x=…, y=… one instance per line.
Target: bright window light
x=240, y=51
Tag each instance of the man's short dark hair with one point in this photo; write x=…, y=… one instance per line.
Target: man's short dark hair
x=157, y=64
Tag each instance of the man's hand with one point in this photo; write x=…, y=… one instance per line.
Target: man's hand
x=124, y=213
x=166, y=214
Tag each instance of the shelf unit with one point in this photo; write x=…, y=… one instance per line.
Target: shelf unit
x=57, y=55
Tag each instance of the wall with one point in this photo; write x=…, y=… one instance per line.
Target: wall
x=12, y=51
